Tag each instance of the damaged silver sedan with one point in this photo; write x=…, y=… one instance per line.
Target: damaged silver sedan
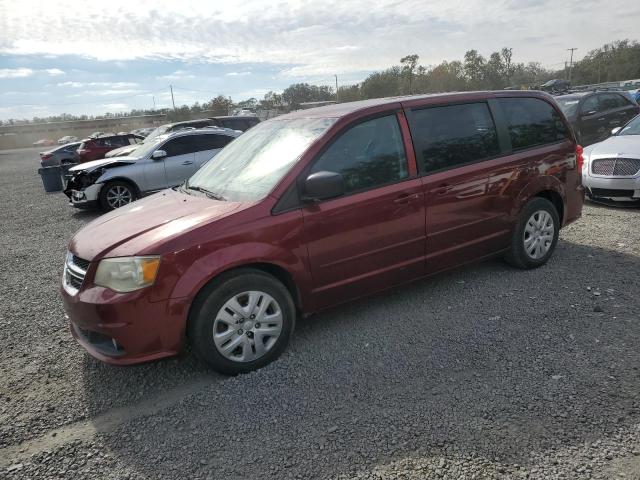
x=111, y=183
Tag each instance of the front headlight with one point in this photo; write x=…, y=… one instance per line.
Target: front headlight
x=126, y=274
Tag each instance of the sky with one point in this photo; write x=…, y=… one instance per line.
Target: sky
x=91, y=57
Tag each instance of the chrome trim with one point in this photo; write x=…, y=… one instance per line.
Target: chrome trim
x=71, y=270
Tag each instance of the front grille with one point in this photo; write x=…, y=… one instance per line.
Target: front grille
x=616, y=167
x=75, y=269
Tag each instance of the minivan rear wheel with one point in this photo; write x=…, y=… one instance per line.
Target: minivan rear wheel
x=241, y=321
x=535, y=235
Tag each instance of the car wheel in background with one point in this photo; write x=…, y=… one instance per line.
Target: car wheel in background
x=535, y=235
x=241, y=321
x=117, y=194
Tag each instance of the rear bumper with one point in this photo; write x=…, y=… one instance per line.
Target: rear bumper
x=124, y=329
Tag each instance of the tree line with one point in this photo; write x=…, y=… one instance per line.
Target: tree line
x=616, y=61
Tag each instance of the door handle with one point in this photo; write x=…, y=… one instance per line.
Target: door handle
x=441, y=190
x=187, y=163
x=406, y=198
x=601, y=119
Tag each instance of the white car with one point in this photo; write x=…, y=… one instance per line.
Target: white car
x=166, y=162
x=67, y=139
x=611, y=168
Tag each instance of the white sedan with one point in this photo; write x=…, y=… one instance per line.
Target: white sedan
x=67, y=139
x=611, y=168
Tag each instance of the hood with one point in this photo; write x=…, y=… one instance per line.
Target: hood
x=127, y=149
x=90, y=166
x=616, y=146
x=142, y=226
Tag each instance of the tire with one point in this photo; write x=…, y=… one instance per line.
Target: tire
x=109, y=199
x=536, y=220
x=235, y=348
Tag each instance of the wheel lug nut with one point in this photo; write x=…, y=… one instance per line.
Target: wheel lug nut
x=257, y=325
x=250, y=334
x=240, y=332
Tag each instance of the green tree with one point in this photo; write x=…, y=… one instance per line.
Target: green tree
x=409, y=65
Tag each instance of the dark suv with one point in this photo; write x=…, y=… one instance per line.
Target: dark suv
x=96, y=148
x=594, y=114
x=314, y=208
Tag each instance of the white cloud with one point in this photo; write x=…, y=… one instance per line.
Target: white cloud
x=237, y=74
x=177, y=75
x=54, y=72
x=71, y=84
x=15, y=72
x=116, y=107
x=315, y=38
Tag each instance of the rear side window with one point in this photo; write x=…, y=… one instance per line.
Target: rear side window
x=591, y=105
x=609, y=101
x=446, y=137
x=368, y=155
x=211, y=141
x=531, y=122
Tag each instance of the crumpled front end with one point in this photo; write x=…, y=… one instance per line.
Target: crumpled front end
x=82, y=189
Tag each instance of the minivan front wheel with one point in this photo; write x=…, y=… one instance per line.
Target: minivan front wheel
x=117, y=194
x=241, y=321
x=535, y=235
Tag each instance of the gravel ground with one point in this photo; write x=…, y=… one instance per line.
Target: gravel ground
x=484, y=372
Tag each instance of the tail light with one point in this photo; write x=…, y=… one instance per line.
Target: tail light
x=579, y=157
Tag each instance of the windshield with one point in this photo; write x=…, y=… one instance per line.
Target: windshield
x=569, y=106
x=158, y=131
x=145, y=148
x=631, y=128
x=248, y=168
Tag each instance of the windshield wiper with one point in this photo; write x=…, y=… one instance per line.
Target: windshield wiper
x=208, y=193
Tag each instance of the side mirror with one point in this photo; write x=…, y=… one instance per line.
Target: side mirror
x=158, y=154
x=322, y=185
x=615, y=130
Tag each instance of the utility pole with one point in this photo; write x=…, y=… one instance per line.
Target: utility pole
x=571, y=62
x=154, y=102
x=337, y=96
x=172, y=100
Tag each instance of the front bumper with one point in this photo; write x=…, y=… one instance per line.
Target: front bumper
x=124, y=329
x=626, y=188
x=86, y=198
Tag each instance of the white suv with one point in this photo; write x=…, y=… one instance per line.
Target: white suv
x=166, y=162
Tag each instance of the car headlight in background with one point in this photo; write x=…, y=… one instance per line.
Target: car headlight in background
x=126, y=274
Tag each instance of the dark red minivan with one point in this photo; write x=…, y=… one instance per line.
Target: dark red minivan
x=318, y=207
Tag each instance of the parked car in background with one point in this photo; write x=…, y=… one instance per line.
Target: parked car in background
x=60, y=155
x=96, y=148
x=44, y=142
x=556, y=85
x=612, y=167
x=237, y=122
x=143, y=132
x=317, y=207
x=594, y=114
x=95, y=134
x=167, y=162
x=67, y=139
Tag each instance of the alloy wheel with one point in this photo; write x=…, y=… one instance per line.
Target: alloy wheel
x=118, y=196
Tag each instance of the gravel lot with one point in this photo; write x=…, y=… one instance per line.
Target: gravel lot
x=485, y=372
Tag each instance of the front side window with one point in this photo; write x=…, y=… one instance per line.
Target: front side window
x=591, y=105
x=454, y=135
x=179, y=146
x=368, y=155
x=211, y=141
x=531, y=122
